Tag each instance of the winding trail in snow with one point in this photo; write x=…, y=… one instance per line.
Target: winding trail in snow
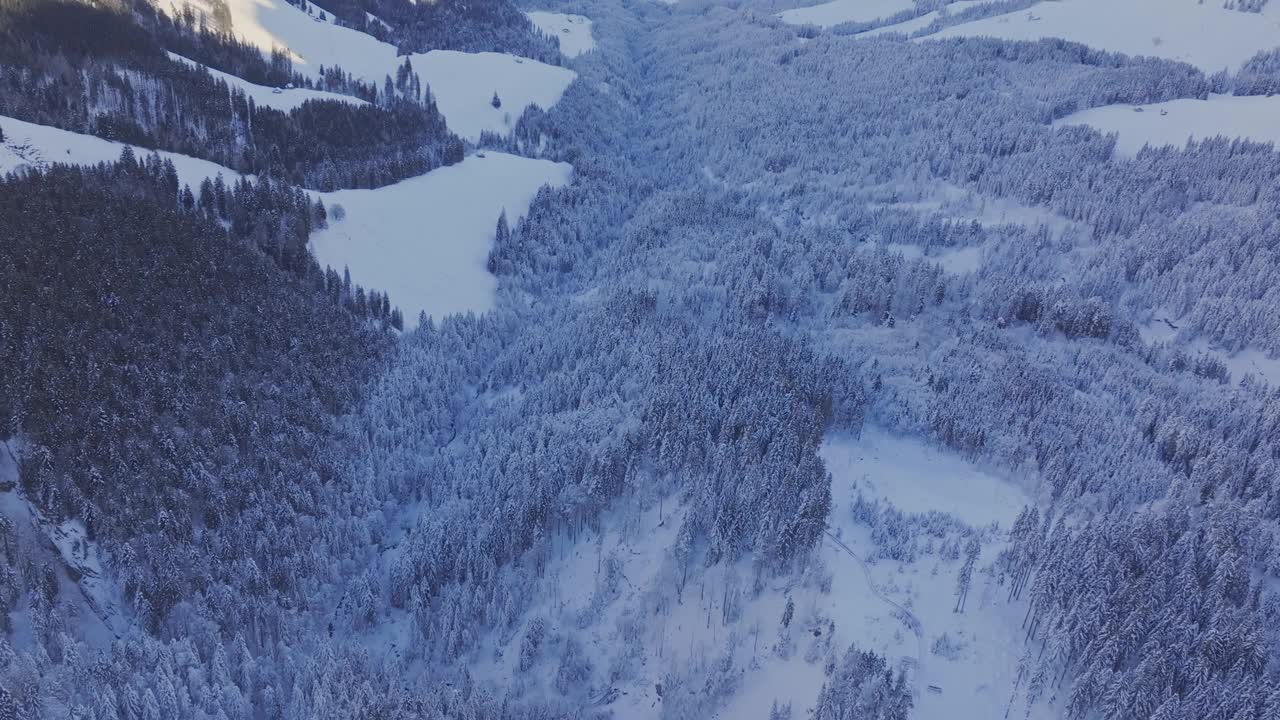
x=905, y=616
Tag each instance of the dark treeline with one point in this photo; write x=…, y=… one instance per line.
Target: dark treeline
x=167, y=375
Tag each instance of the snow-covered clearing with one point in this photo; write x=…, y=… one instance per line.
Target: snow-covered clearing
x=957, y=261
x=843, y=11
x=1177, y=121
x=906, y=27
x=616, y=593
x=574, y=31
x=1249, y=361
x=426, y=240
x=1204, y=34
x=38, y=146
x=283, y=99
x=464, y=85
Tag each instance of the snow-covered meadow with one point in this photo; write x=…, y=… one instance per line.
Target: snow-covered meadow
x=573, y=31
x=426, y=239
x=1252, y=117
x=464, y=86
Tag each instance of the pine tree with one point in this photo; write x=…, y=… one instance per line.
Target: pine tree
x=963, y=580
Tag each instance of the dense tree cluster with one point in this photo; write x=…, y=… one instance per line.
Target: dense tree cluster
x=167, y=374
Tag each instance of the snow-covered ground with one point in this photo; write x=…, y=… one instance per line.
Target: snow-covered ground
x=957, y=261
x=1204, y=34
x=38, y=146
x=639, y=632
x=916, y=478
x=426, y=240
x=284, y=99
x=1177, y=121
x=574, y=31
x=464, y=85
x=84, y=588
x=310, y=41
x=907, y=27
x=1249, y=361
x=843, y=11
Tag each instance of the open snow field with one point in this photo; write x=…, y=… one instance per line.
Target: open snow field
x=283, y=99
x=843, y=11
x=464, y=85
x=38, y=146
x=574, y=31
x=1177, y=121
x=426, y=240
x=1204, y=34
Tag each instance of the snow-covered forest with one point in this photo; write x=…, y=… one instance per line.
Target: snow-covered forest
x=870, y=359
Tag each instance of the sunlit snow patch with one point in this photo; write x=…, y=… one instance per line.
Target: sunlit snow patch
x=1204, y=34
x=311, y=41
x=426, y=240
x=1177, y=121
x=464, y=85
x=843, y=11
x=574, y=31
x=284, y=99
x=38, y=146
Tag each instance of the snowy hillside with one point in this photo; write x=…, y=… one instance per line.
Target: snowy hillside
x=774, y=373
x=284, y=99
x=1204, y=34
x=310, y=42
x=573, y=31
x=464, y=86
x=1175, y=122
x=37, y=146
x=426, y=239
